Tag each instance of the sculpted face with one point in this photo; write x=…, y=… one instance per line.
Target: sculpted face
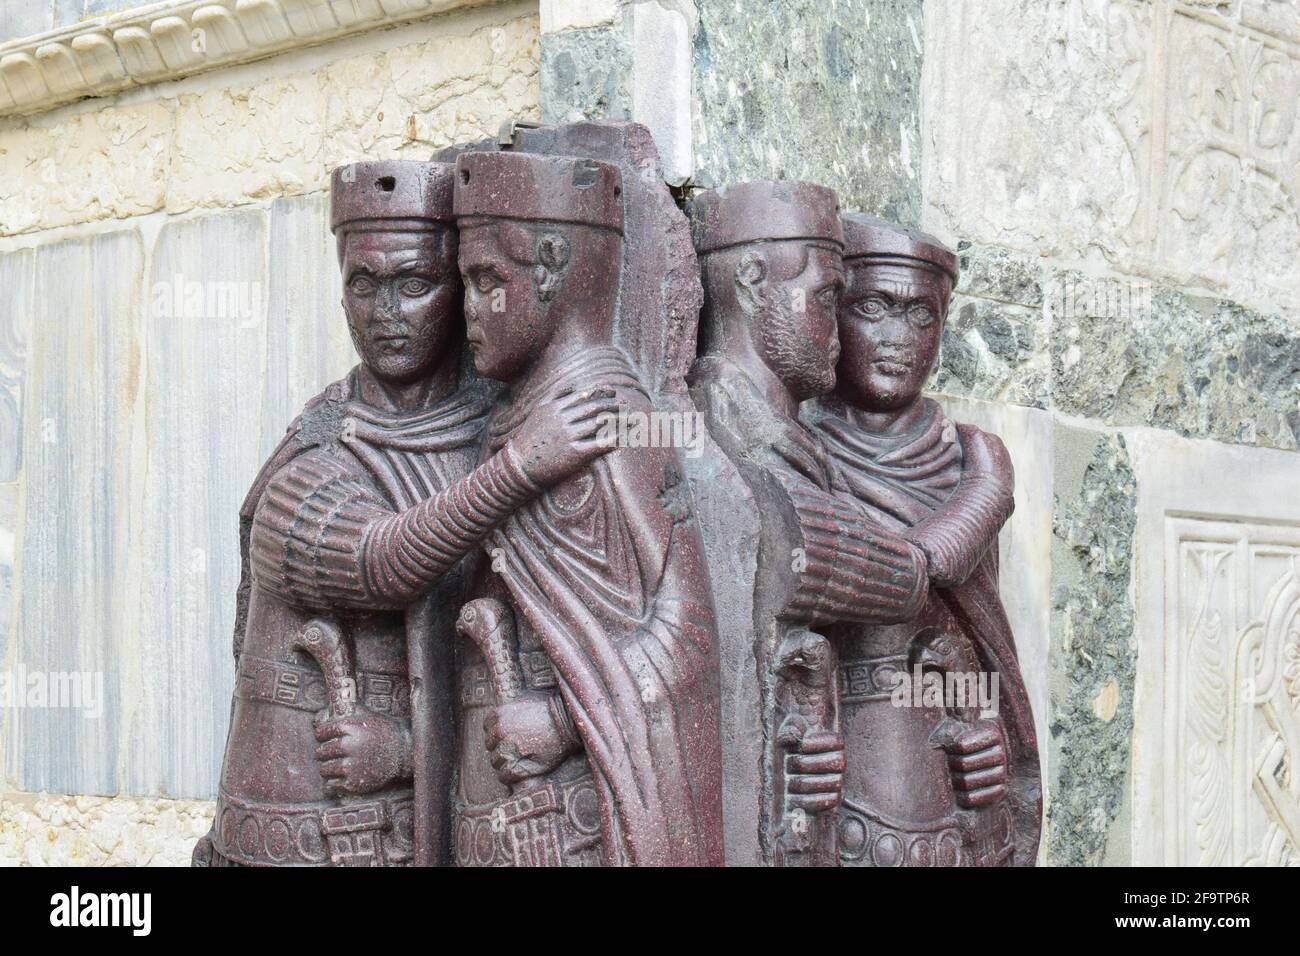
x=400, y=293
x=509, y=277
x=890, y=321
x=791, y=289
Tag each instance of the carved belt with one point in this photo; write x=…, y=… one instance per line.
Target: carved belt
x=303, y=688
x=362, y=832
x=874, y=679
x=548, y=824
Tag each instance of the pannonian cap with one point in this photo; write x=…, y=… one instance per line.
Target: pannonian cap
x=528, y=186
x=764, y=210
x=867, y=237
x=392, y=189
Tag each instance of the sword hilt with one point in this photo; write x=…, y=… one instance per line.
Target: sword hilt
x=491, y=626
x=325, y=643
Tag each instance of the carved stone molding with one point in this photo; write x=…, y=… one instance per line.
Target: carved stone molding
x=1217, y=762
x=174, y=38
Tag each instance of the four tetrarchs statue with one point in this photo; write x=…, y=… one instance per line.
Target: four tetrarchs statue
x=491, y=577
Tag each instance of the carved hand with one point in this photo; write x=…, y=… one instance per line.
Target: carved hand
x=363, y=753
x=977, y=763
x=524, y=740
x=564, y=434
x=815, y=772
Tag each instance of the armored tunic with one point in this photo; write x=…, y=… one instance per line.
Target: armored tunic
x=353, y=528
x=899, y=808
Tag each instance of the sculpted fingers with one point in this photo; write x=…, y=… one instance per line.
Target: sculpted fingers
x=331, y=750
x=336, y=769
x=980, y=779
x=976, y=739
x=820, y=763
x=815, y=803
x=329, y=729
x=980, y=760
x=815, y=783
x=987, y=796
x=820, y=741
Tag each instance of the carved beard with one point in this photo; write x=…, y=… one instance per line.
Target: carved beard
x=791, y=353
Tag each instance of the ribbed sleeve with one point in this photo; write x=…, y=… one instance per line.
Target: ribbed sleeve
x=404, y=553
x=308, y=532
x=956, y=539
x=852, y=570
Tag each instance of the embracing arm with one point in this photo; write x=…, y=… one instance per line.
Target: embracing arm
x=323, y=537
x=848, y=568
x=956, y=537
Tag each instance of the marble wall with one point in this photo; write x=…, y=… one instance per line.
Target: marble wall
x=173, y=300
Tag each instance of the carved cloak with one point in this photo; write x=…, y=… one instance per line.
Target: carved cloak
x=622, y=607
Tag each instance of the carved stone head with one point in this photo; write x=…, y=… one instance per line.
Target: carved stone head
x=770, y=253
x=540, y=250
x=397, y=252
x=891, y=316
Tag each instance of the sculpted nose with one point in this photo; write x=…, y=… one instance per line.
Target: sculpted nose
x=387, y=308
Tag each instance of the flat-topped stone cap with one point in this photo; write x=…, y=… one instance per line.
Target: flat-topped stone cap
x=869, y=237
x=535, y=188
x=764, y=210
x=391, y=189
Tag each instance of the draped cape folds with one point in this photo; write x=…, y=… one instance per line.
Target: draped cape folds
x=900, y=480
x=629, y=631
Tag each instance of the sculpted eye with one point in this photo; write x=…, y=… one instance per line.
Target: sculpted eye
x=361, y=285
x=920, y=315
x=826, y=296
x=484, y=282
x=414, y=287
x=872, y=307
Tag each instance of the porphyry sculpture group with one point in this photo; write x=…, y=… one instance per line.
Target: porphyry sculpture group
x=488, y=614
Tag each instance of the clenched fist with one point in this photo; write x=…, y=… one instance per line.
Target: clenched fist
x=977, y=764
x=815, y=772
x=363, y=753
x=524, y=740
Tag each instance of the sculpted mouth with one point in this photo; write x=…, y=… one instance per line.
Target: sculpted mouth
x=892, y=366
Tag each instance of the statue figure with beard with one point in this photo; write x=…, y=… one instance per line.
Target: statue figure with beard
x=771, y=258
x=340, y=745
x=949, y=782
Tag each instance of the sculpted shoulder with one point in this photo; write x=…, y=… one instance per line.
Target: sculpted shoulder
x=317, y=423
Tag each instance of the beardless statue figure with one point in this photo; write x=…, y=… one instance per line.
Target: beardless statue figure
x=589, y=656
x=936, y=784
x=340, y=745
